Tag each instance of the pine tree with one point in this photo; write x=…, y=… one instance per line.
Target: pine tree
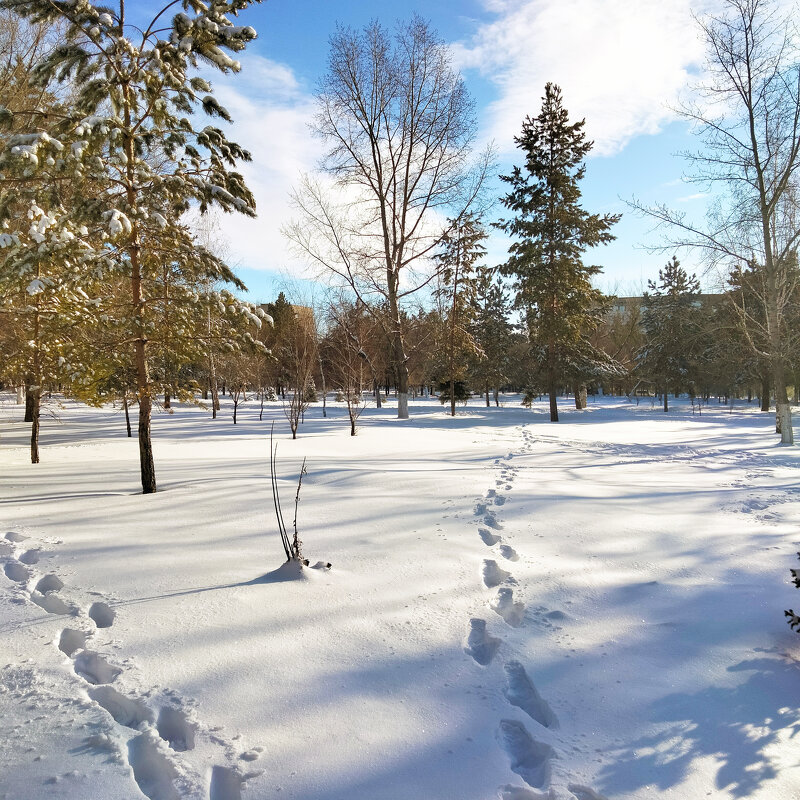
x=553, y=286
x=747, y=313
x=46, y=305
x=130, y=147
x=458, y=267
x=671, y=320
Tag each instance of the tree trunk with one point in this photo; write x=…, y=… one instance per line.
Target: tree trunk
x=20, y=395
x=666, y=401
x=28, y=400
x=134, y=247
x=497, y=397
x=452, y=397
x=235, y=407
x=214, y=396
x=487, y=395
x=580, y=396
x=553, y=393
x=324, y=388
x=147, y=467
x=401, y=366
x=783, y=411
x=167, y=399
x=35, y=395
x=127, y=414
x=765, y=388
x=377, y=391
x=784, y=423
x=352, y=424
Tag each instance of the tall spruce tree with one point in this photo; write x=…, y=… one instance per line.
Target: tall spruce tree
x=671, y=320
x=133, y=149
x=553, y=286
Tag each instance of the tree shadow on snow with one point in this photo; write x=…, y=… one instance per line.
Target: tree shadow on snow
x=735, y=726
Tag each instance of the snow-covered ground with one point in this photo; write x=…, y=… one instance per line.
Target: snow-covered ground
x=515, y=609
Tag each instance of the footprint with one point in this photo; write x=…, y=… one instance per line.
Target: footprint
x=508, y=552
x=504, y=605
x=529, y=759
x=521, y=692
x=480, y=644
x=480, y=508
x=226, y=784
x=174, y=727
x=584, y=792
x=494, y=575
x=94, y=668
x=491, y=493
x=151, y=770
x=50, y=583
x=500, y=500
x=488, y=537
x=16, y=572
x=127, y=712
x=30, y=557
x=51, y=603
x=491, y=521
x=102, y=615
x=12, y=536
x=71, y=640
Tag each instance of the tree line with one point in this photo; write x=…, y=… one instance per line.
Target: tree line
x=109, y=287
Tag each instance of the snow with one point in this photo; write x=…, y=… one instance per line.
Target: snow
x=515, y=609
x=118, y=222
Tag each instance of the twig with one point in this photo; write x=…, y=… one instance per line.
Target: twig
x=296, y=543
x=276, y=500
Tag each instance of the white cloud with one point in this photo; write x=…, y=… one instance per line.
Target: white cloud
x=621, y=64
x=271, y=113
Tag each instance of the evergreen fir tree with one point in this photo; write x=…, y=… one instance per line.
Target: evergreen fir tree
x=746, y=313
x=461, y=250
x=671, y=319
x=492, y=332
x=130, y=147
x=553, y=286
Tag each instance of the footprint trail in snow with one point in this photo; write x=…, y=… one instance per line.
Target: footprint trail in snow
x=162, y=730
x=529, y=758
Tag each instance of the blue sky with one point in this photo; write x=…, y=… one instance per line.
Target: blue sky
x=621, y=63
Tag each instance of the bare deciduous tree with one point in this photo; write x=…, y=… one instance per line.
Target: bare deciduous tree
x=749, y=118
x=348, y=363
x=399, y=125
x=300, y=357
